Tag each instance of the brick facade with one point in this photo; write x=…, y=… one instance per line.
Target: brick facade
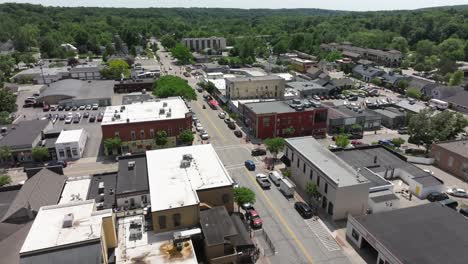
x=449, y=160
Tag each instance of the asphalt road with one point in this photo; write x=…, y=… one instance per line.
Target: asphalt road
x=296, y=240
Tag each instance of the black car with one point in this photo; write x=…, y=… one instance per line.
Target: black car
x=62, y=117
x=403, y=130
x=303, y=209
x=92, y=118
x=58, y=163
x=61, y=107
x=86, y=115
x=231, y=125
x=436, y=196
x=238, y=133
x=464, y=211
x=258, y=152
x=68, y=108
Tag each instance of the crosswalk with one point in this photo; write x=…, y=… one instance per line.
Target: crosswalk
x=322, y=234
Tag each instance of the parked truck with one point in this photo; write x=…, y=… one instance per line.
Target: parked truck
x=287, y=187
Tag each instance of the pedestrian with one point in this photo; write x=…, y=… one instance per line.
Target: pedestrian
x=410, y=196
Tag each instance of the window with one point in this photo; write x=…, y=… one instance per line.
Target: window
x=311, y=174
x=151, y=133
x=142, y=134
x=355, y=234
x=74, y=152
x=132, y=135
x=61, y=153
x=318, y=181
x=297, y=163
x=176, y=219
x=169, y=132
x=450, y=161
x=330, y=208
x=116, y=134
x=303, y=168
x=292, y=157
x=226, y=198
x=326, y=187
x=266, y=121
x=381, y=261
x=162, y=221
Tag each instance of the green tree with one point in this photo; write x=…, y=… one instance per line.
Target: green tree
x=112, y=144
x=5, y=118
x=26, y=37
x=116, y=69
x=333, y=56
x=376, y=81
x=447, y=125
x=420, y=129
x=452, y=48
x=243, y=195
x=161, y=138
x=168, y=42
x=456, y=78
x=4, y=180
x=40, y=153
x=5, y=153
x=400, y=43
x=7, y=101
x=413, y=93
x=7, y=64
x=210, y=87
x=425, y=48
x=274, y=145
x=342, y=141
x=182, y=54
x=170, y=85
x=398, y=141
x=289, y=131
x=312, y=190
x=186, y=136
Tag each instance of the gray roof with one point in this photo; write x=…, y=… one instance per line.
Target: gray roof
x=10, y=244
x=304, y=86
x=393, y=78
x=459, y=147
x=132, y=180
x=419, y=83
x=342, y=111
x=217, y=226
x=22, y=134
x=389, y=113
x=350, y=54
x=416, y=108
x=135, y=98
x=383, y=198
x=342, y=82
x=85, y=68
x=79, y=89
x=254, y=78
x=367, y=71
x=86, y=253
x=42, y=189
x=6, y=197
x=460, y=98
x=110, y=183
x=428, y=181
x=326, y=161
x=447, y=91
x=273, y=107
x=429, y=233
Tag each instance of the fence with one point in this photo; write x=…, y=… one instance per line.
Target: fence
x=268, y=241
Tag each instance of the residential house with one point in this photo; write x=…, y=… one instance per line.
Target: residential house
x=458, y=102
x=366, y=73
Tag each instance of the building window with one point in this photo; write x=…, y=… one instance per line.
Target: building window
x=61, y=153
x=318, y=180
x=116, y=134
x=266, y=121
x=450, y=161
x=152, y=133
x=142, y=134
x=226, y=198
x=311, y=174
x=326, y=187
x=355, y=234
x=169, y=132
x=162, y=221
x=297, y=163
x=176, y=218
x=292, y=157
x=330, y=208
x=74, y=152
x=133, y=135
x=381, y=261
x=304, y=168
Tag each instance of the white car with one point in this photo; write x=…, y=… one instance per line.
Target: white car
x=82, y=107
x=68, y=120
x=199, y=127
x=95, y=107
x=204, y=136
x=89, y=107
x=222, y=115
x=457, y=192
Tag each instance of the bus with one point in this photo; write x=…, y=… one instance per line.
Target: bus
x=435, y=103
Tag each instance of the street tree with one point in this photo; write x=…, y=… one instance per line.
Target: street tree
x=332, y=56
x=398, y=141
x=116, y=69
x=40, y=153
x=376, y=81
x=186, y=137
x=243, y=195
x=4, y=180
x=182, y=54
x=210, y=87
x=311, y=190
x=5, y=118
x=161, y=138
x=342, y=141
x=112, y=144
x=170, y=85
x=274, y=145
x=5, y=153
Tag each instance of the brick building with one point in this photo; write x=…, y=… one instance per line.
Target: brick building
x=452, y=157
x=137, y=124
x=273, y=118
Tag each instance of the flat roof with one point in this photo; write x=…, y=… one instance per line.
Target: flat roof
x=383, y=196
x=342, y=111
x=134, y=98
x=47, y=232
x=459, y=147
x=274, y=107
x=416, y=108
x=389, y=113
x=304, y=86
x=331, y=165
x=110, y=182
x=78, y=89
x=429, y=233
x=75, y=189
x=216, y=225
x=89, y=253
x=132, y=179
x=236, y=102
x=146, y=111
x=255, y=78
x=6, y=198
x=67, y=136
x=172, y=186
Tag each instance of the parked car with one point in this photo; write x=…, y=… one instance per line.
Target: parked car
x=250, y=165
x=68, y=120
x=228, y=120
x=53, y=108
x=449, y=203
x=45, y=108
x=235, y=184
x=403, y=130
x=254, y=219
x=95, y=107
x=76, y=119
x=436, y=196
x=58, y=162
x=222, y=115
x=68, y=108
x=86, y=115
x=89, y=107
x=92, y=118
x=82, y=107
x=99, y=117
x=74, y=108
x=61, y=107
x=62, y=117
x=247, y=206
x=238, y=133
x=231, y=125
x=204, y=136
x=464, y=211
x=303, y=209
x=258, y=152
x=199, y=127
x=263, y=181
x=457, y=192
x=275, y=177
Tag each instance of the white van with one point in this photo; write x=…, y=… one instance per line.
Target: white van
x=287, y=187
x=275, y=177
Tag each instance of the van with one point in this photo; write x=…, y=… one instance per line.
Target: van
x=275, y=177
x=450, y=203
x=287, y=188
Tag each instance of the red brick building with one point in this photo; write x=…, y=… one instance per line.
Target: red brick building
x=452, y=157
x=274, y=118
x=137, y=124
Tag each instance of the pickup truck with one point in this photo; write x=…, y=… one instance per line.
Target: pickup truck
x=263, y=181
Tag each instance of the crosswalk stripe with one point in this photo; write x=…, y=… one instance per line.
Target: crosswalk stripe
x=323, y=235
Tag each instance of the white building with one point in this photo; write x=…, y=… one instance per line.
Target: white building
x=215, y=43
x=71, y=144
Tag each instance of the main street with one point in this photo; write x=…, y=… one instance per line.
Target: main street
x=295, y=240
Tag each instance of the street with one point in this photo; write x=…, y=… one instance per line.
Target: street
x=295, y=240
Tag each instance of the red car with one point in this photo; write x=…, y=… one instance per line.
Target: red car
x=356, y=142
x=45, y=107
x=254, y=218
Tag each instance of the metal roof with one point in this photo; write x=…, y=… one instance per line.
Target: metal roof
x=78, y=89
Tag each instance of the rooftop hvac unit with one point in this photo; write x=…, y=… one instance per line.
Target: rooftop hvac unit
x=101, y=197
x=168, y=114
x=131, y=165
x=187, y=157
x=162, y=111
x=101, y=187
x=164, y=104
x=67, y=220
x=185, y=163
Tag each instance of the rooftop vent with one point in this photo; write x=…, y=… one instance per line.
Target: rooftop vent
x=185, y=163
x=122, y=108
x=131, y=165
x=67, y=220
x=162, y=111
x=164, y=104
x=168, y=114
x=187, y=157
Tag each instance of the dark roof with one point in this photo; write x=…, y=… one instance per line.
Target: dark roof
x=384, y=198
x=351, y=54
x=132, y=180
x=429, y=233
x=447, y=91
x=305, y=86
x=243, y=237
x=6, y=197
x=42, y=189
x=22, y=134
x=79, y=89
x=342, y=82
x=87, y=253
x=460, y=98
x=393, y=78
x=84, y=68
x=217, y=226
x=367, y=71
x=110, y=183
x=10, y=245
x=428, y=181
x=343, y=112
x=419, y=83
x=456, y=146
x=268, y=107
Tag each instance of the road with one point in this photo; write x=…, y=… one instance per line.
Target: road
x=296, y=240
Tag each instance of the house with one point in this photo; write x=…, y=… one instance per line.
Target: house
x=441, y=91
x=85, y=72
x=452, y=156
x=276, y=118
x=132, y=190
x=385, y=57
x=301, y=65
x=314, y=72
x=344, y=117
x=183, y=181
x=270, y=86
x=458, y=102
x=41, y=75
x=341, y=190
x=22, y=137
x=418, y=234
x=366, y=73
x=197, y=44
x=71, y=144
x=392, y=79
x=214, y=67
x=137, y=124
x=132, y=86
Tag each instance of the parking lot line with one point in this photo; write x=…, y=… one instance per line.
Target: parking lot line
x=282, y=221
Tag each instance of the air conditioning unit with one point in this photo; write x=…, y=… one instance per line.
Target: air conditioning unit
x=67, y=220
x=131, y=165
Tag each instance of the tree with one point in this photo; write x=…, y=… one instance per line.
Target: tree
x=112, y=144
x=170, y=85
x=400, y=43
x=342, y=141
x=4, y=180
x=243, y=195
x=116, y=69
x=186, y=136
x=398, y=142
x=289, y=131
x=413, y=93
x=274, y=145
x=447, y=125
x=25, y=37
x=456, y=78
x=333, y=56
x=311, y=190
x=356, y=128
x=168, y=42
x=425, y=47
x=182, y=54
x=40, y=153
x=376, y=81
x=210, y=87
x=161, y=138
x=5, y=153
x=5, y=118
x=7, y=64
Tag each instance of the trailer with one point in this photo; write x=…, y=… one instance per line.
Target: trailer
x=287, y=187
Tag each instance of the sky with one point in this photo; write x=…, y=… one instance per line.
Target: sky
x=354, y=5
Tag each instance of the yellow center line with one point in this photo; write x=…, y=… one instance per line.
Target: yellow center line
x=278, y=214
x=209, y=120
